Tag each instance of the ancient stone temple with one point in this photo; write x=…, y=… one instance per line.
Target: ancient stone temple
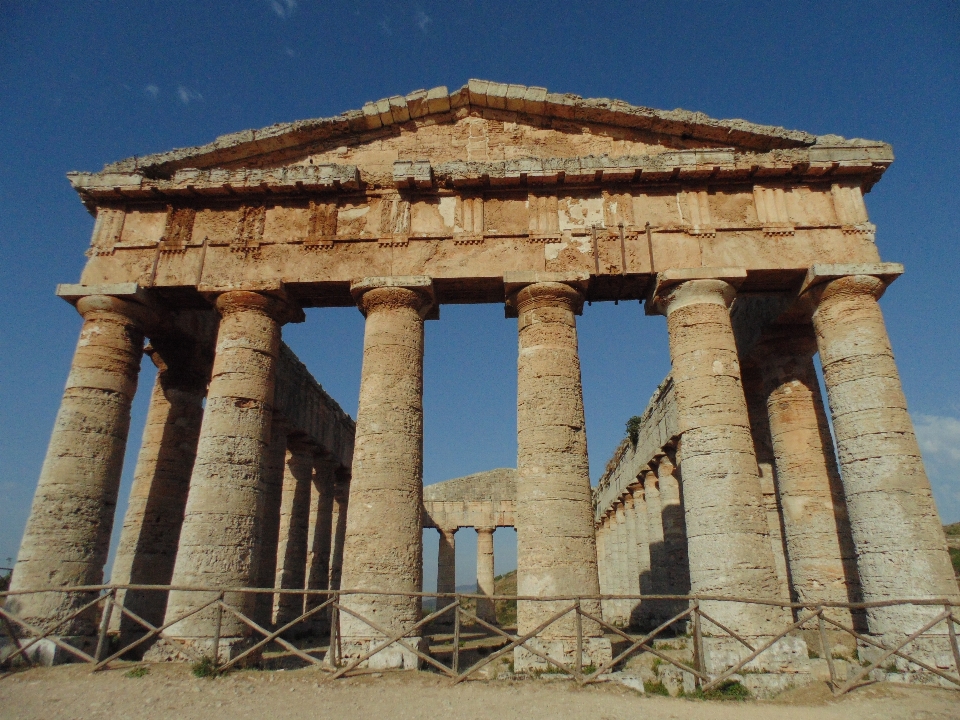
x=752, y=241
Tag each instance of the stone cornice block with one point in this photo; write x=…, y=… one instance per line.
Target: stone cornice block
x=73, y=292
x=412, y=173
x=817, y=274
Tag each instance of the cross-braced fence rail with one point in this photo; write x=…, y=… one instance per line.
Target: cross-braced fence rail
x=107, y=600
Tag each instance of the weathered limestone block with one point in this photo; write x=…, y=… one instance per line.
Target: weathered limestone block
x=68, y=532
x=268, y=518
x=294, y=527
x=151, y=528
x=728, y=542
x=218, y=541
x=896, y=530
x=823, y=565
x=485, y=574
x=383, y=549
x=556, y=546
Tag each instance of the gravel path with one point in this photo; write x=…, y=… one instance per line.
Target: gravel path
x=170, y=692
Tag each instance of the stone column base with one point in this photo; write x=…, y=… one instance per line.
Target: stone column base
x=788, y=654
x=392, y=657
x=46, y=653
x=596, y=652
x=931, y=649
x=230, y=647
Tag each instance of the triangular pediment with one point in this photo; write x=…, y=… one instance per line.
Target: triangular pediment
x=480, y=122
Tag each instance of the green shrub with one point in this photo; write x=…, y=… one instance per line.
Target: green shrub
x=633, y=429
x=205, y=668
x=137, y=672
x=728, y=690
x=655, y=687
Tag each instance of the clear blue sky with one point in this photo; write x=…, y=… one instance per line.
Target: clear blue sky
x=85, y=83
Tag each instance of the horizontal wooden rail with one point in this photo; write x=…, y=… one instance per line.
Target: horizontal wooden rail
x=25, y=635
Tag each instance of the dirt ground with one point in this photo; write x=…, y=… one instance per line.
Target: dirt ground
x=170, y=692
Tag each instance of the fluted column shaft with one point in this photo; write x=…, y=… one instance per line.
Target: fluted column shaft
x=218, y=541
x=677, y=575
x=721, y=488
x=899, y=540
x=485, y=574
x=556, y=546
x=67, y=536
x=383, y=549
x=294, y=528
x=148, y=543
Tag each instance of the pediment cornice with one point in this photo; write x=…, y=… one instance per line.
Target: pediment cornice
x=531, y=103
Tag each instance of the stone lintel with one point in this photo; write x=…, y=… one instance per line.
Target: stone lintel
x=817, y=274
x=515, y=281
x=675, y=276
x=421, y=284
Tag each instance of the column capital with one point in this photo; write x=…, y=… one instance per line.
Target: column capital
x=448, y=530
x=144, y=318
x=274, y=304
x=415, y=291
x=524, y=290
x=880, y=276
x=484, y=529
x=674, y=289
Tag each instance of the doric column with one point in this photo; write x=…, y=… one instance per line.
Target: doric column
x=151, y=527
x=621, y=562
x=68, y=532
x=338, y=521
x=447, y=562
x=556, y=546
x=383, y=549
x=218, y=541
x=814, y=511
x=756, y=397
x=319, y=538
x=609, y=556
x=642, y=530
x=727, y=538
x=658, y=562
x=268, y=518
x=677, y=576
x=899, y=540
x=600, y=532
x=633, y=570
x=294, y=527
x=485, y=584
